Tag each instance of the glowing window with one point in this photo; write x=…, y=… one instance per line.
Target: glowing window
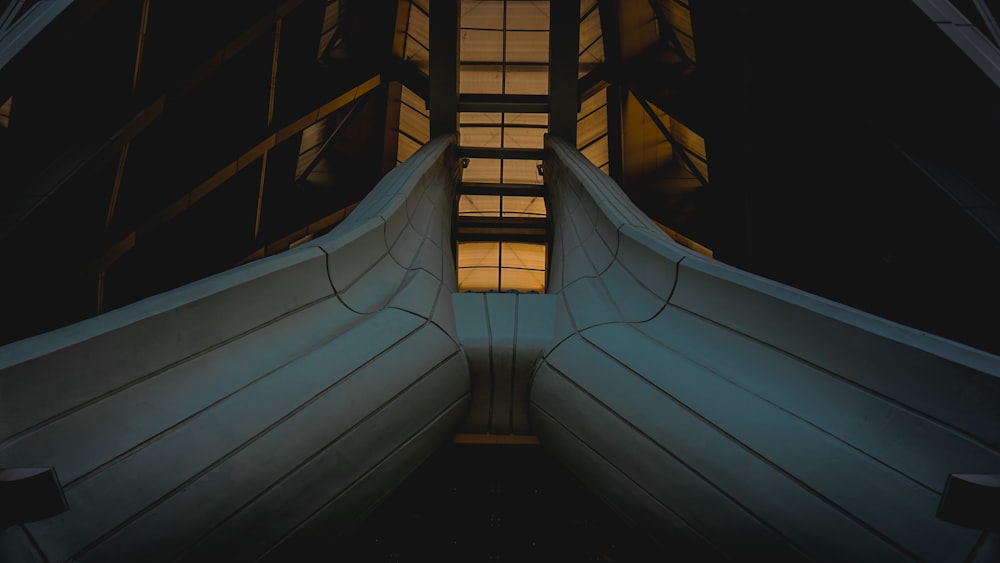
x=501, y=266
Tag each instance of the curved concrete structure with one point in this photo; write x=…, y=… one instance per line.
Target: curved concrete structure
x=250, y=414
x=736, y=418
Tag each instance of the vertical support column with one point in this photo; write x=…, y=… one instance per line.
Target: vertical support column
x=444, y=57
x=564, y=44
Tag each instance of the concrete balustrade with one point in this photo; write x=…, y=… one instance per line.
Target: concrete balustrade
x=731, y=416
x=255, y=413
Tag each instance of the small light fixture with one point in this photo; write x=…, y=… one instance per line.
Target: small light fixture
x=28, y=494
x=971, y=501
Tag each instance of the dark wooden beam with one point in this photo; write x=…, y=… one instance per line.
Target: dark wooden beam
x=564, y=62
x=444, y=50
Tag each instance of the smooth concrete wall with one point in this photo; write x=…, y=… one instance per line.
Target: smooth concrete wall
x=732, y=417
x=256, y=413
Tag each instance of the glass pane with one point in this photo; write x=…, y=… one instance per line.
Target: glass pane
x=405, y=148
x=481, y=79
x=419, y=26
x=597, y=153
x=521, y=172
x=592, y=57
x=526, y=118
x=522, y=280
x=523, y=255
x=480, y=136
x=523, y=267
x=528, y=15
x=482, y=170
x=590, y=31
x=524, y=137
x=482, y=14
x=687, y=44
x=478, y=279
x=679, y=16
x=688, y=138
x=523, y=206
x=414, y=124
x=528, y=46
x=466, y=118
x=412, y=99
x=478, y=254
x=482, y=46
x=590, y=104
x=417, y=55
x=479, y=206
x=592, y=127
x=528, y=79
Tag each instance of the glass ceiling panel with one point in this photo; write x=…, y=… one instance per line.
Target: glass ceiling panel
x=467, y=118
x=597, y=152
x=540, y=119
x=591, y=48
x=479, y=206
x=481, y=46
x=523, y=255
x=505, y=206
x=528, y=46
x=482, y=170
x=413, y=100
x=405, y=148
x=478, y=279
x=418, y=26
x=478, y=254
x=523, y=206
x=527, y=80
x=590, y=30
x=521, y=172
x=594, y=102
x=481, y=79
x=482, y=14
x=524, y=137
x=523, y=267
x=331, y=21
x=591, y=127
x=522, y=280
x=414, y=123
x=523, y=15
x=480, y=136
x=509, y=42
x=687, y=44
x=691, y=140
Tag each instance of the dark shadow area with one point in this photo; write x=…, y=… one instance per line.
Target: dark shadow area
x=475, y=503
